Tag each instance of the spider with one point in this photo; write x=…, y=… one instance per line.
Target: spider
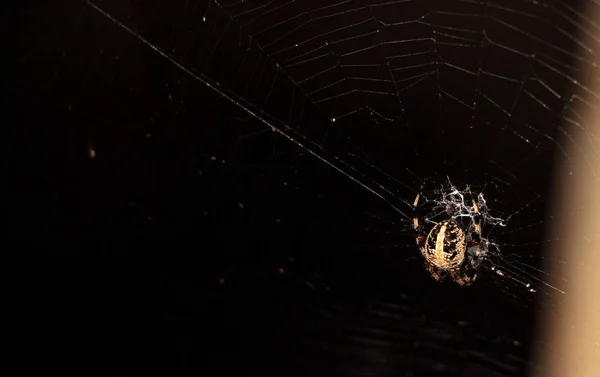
x=450, y=249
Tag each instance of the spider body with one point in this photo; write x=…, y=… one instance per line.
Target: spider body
x=449, y=248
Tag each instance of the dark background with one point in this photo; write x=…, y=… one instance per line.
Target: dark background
x=181, y=236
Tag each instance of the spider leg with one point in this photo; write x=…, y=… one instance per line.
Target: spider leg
x=421, y=236
x=436, y=273
x=415, y=205
x=476, y=209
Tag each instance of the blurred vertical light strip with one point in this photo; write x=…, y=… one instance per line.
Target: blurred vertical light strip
x=570, y=333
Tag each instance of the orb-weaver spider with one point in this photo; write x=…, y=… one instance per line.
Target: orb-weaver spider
x=449, y=248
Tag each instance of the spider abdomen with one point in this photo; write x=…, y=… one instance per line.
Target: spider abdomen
x=445, y=246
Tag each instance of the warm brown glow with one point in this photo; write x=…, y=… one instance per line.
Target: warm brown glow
x=570, y=335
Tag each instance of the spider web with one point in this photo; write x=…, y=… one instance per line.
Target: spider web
x=395, y=95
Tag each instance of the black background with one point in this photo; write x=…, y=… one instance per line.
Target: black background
x=182, y=247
